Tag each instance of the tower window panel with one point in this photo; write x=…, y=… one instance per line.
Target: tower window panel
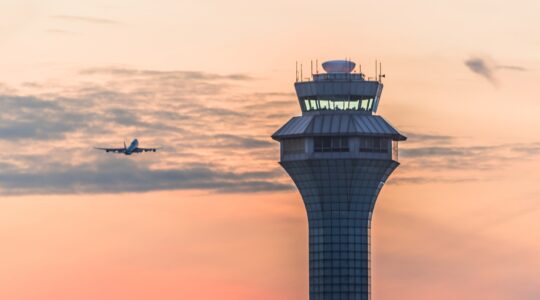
x=331, y=144
x=324, y=104
x=340, y=103
x=374, y=144
x=307, y=105
x=365, y=104
x=293, y=146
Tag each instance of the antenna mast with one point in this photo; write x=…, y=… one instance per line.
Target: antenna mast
x=380, y=71
x=375, y=70
x=296, y=71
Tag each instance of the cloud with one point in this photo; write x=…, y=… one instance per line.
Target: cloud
x=428, y=179
x=530, y=149
x=61, y=31
x=113, y=175
x=37, y=119
x=193, y=116
x=428, y=138
x=186, y=75
x=448, y=151
x=85, y=19
x=481, y=67
x=427, y=158
x=213, y=136
x=513, y=68
x=241, y=142
x=487, y=68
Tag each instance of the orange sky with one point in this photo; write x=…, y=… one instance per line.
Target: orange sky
x=213, y=215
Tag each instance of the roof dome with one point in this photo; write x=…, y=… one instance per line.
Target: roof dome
x=338, y=66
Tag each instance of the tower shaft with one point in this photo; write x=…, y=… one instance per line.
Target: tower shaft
x=339, y=196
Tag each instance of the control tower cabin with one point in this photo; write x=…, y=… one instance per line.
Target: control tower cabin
x=339, y=154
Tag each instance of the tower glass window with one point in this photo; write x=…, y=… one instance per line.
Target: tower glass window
x=374, y=144
x=362, y=105
x=293, y=146
x=331, y=144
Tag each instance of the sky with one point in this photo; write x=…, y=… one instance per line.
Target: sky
x=213, y=215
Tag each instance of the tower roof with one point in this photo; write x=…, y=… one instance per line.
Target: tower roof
x=338, y=124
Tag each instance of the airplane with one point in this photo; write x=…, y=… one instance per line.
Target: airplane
x=133, y=148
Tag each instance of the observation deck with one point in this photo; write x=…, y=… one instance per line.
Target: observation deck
x=338, y=90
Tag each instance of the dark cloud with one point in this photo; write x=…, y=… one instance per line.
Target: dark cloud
x=452, y=151
x=34, y=118
x=429, y=179
x=428, y=138
x=487, y=68
x=531, y=149
x=481, y=67
x=212, y=137
x=513, y=68
x=240, y=142
x=124, y=175
x=85, y=19
x=189, y=114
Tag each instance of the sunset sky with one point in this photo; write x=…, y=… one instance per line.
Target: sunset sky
x=213, y=216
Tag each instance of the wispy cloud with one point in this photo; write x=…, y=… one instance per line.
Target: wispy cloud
x=207, y=126
x=194, y=116
x=61, y=31
x=487, y=68
x=113, y=175
x=433, y=158
x=85, y=19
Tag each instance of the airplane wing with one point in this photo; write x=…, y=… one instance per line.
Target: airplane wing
x=139, y=150
x=116, y=150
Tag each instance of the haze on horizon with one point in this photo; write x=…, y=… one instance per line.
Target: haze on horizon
x=213, y=215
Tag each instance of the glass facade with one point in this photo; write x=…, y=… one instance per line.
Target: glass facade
x=339, y=196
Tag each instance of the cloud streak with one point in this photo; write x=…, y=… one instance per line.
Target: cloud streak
x=84, y=19
x=212, y=136
x=124, y=175
x=487, y=68
x=194, y=116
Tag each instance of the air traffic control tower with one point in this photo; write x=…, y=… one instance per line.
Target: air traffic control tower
x=339, y=154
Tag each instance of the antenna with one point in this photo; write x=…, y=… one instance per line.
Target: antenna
x=381, y=75
x=317, y=65
x=311, y=70
x=380, y=71
x=301, y=73
x=376, y=70
x=296, y=71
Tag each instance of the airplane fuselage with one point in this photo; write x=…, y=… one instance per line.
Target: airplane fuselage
x=132, y=146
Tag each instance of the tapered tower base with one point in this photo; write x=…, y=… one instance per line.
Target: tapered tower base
x=339, y=196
